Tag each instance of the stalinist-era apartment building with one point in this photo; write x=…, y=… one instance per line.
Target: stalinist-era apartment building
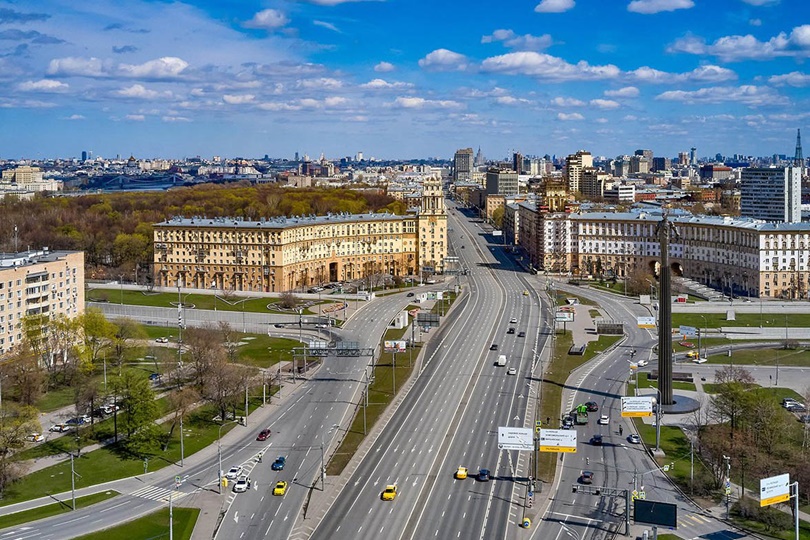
x=743, y=256
x=38, y=283
x=286, y=254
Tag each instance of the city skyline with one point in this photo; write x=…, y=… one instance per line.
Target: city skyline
x=338, y=77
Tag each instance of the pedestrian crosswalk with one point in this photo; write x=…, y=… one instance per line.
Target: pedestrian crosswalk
x=690, y=520
x=159, y=494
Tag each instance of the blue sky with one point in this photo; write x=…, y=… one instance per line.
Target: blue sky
x=402, y=78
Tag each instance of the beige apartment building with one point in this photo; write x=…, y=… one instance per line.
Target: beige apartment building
x=743, y=256
x=38, y=283
x=287, y=254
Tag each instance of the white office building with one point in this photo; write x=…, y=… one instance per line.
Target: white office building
x=772, y=194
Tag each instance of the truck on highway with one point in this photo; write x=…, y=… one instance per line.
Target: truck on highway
x=580, y=415
x=501, y=360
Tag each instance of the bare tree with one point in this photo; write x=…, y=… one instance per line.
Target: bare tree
x=229, y=340
x=203, y=345
x=288, y=300
x=16, y=422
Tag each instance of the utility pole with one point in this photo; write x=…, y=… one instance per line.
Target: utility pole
x=182, y=453
x=727, y=461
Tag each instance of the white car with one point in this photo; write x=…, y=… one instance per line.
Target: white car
x=603, y=420
x=241, y=485
x=633, y=439
x=162, y=340
x=35, y=437
x=234, y=472
x=511, y=371
x=700, y=360
x=513, y=320
x=642, y=363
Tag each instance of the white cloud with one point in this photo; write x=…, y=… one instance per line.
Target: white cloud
x=232, y=99
x=601, y=120
x=334, y=2
x=626, y=92
x=175, y=119
x=567, y=102
x=649, y=7
x=554, y=6
x=747, y=94
x=755, y=22
x=526, y=42
x=794, y=78
x=168, y=67
x=510, y=100
x=82, y=67
x=334, y=102
x=328, y=26
x=444, y=60
x=707, y=73
x=320, y=83
x=760, y=2
x=135, y=117
x=568, y=117
x=547, y=67
x=75, y=117
x=381, y=84
x=268, y=19
x=384, y=67
x=747, y=47
x=604, y=104
x=421, y=103
x=43, y=85
x=139, y=91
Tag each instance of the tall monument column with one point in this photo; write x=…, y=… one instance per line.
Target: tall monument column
x=664, y=316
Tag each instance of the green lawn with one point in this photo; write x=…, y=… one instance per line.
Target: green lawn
x=113, y=462
x=196, y=301
x=751, y=320
x=63, y=507
x=644, y=381
x=152, y=526
x=766, y=356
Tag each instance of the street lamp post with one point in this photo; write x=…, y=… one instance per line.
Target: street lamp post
x=657, y=420
x=700, y=335
x=323, y=464
x=219, y=454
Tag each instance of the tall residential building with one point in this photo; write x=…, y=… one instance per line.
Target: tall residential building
x=772, y=194
x=661, y=164
x=501, y=182
x=517, y=162
x=693, y=156
x=573, y=168
x=287, y=254
x=593, y=182
x=463, y=165
x=645, y=153
x=639, y=164
x=38, y=283
x=683, y=159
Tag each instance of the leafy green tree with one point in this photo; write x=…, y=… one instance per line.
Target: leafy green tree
x=138, y=406
x=127, y=333
x=98, y=334
x=24, y=373
x=16, y=422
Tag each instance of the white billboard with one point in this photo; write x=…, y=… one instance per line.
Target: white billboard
x=514, y=438
x=395, y=346
x=558, y=440
x=564, y=316
x=637, y=406
x=774, y=490
x=646, y=322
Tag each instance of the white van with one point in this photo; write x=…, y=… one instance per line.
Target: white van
x=501, y=360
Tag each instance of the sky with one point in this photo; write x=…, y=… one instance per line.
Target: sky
x=402, y=79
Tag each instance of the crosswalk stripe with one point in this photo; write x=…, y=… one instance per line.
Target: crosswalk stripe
x=155, y=493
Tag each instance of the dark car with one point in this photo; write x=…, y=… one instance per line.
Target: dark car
x=591, y=406
x=278, y=464
x=586, y=477
x=596, y=440
x=263, y=434
x=493, y=347
x=567, y=422
x=410, y=294
x=484, y=475
x=510, y=331
x=521, y=334
x=278, y=325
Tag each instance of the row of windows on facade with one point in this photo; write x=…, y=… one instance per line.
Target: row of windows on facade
x=278, y=237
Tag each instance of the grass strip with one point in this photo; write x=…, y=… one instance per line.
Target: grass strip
x=152, y=526
x=62, y=507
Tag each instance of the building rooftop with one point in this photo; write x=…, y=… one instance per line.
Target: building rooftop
x=30, y=257
x=278, y=222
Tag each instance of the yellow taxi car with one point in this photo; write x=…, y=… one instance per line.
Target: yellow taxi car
x=461, y=473
x=390, y=493
x=280, y=489
x=693, y=354
x=525, y=293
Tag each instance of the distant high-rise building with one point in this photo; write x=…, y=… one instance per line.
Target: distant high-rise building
x=693, y=156
x=661, y=164
x=296, y=156
x=574, y=164
x=593, y=182
x=683, y=159
x=84, y=156
x=479, y=158
x=798, y=157
x=501, y=182
x=771, y=194
x=359, y=156
x=645, y=153
x=463, y=165
x=639, y=164
x=517, y=162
